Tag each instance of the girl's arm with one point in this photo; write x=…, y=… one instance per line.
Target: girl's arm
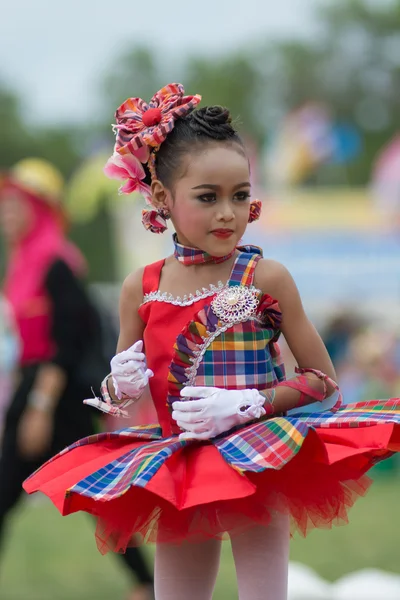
x=303, y=340
x=131, y=325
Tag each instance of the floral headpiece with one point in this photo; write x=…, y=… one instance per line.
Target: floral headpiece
x=140, y=130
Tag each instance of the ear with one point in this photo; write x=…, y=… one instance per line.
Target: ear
x=161, y=197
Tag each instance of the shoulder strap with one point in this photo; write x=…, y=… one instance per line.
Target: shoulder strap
x=151, y=276
x=243, y=269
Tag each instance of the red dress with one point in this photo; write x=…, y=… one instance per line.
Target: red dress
x=144, y=484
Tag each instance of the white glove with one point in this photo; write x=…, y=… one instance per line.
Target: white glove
x=219, y=410
x=129, y=372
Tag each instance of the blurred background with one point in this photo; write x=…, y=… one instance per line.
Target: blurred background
x=314, y=86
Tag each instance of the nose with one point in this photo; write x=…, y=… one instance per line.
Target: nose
x=225, y=212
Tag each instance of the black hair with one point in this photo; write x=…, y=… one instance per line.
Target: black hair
x=194, y=131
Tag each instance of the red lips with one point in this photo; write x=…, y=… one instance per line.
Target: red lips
x=222, y=233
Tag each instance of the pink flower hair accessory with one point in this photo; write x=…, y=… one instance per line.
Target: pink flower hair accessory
x=139, y=124
x=128, y=167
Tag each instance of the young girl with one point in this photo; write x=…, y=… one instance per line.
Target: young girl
x=202, y=327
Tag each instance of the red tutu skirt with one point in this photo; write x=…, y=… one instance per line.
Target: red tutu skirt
x=145, y=488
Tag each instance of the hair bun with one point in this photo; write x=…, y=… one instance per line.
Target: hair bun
x=217, y=115
x=213, y=121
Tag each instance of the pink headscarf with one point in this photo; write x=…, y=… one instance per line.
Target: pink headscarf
x=30, y=260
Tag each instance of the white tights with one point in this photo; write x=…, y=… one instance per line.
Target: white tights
x=261, y=555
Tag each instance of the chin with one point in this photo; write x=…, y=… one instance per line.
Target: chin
x=222, y=247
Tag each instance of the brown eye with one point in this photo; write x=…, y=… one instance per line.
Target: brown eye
x=242, y=196
x=207, y=198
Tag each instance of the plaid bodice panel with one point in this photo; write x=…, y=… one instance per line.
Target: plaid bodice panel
x=231, y=342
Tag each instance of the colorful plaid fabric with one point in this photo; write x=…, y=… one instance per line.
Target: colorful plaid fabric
x=132, y=133
x=271, y=444
x=194, y=256
x=360, y=414
x=136, y=468
x=267, y=445
x=239, y=359
x=244, y=355
x=244, y=267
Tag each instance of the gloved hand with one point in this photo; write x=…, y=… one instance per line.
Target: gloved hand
x=129, y=372
x=217, y=411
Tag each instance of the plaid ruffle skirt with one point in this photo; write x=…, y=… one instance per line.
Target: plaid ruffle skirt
x=145, y=488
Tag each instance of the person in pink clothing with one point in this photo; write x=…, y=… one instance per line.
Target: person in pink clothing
x=56, y=324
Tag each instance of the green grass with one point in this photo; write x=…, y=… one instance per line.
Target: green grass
x=48, y=557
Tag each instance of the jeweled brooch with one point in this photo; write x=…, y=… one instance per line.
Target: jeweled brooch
x=235, y=304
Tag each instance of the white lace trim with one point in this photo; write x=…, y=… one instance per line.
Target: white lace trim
x=198, y=354
x=187, y=300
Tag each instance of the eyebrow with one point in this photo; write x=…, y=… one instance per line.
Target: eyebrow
x=211, y=186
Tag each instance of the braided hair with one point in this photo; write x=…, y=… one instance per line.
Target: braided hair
x=192, y=133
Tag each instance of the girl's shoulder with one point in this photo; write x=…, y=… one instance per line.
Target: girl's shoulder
x=273, y=278
x=132, y=287
x=141, y=281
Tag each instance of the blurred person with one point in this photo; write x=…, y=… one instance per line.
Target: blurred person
x=57, y=326
x=8, y=357
x=371, y=359
x=338, y=334
x=235, y=453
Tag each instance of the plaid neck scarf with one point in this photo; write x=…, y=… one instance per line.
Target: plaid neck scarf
x=194, y=256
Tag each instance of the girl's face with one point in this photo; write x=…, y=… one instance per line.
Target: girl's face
x=211, y=202
x=16, y=217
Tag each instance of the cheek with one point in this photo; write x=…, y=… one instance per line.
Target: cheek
x=190, y=215
x=243, y=212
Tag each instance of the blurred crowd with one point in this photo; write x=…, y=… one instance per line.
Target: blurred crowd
x=366, y=357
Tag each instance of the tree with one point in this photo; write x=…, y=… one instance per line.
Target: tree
x=18, y=140
x=231, y=81
x=14, y=133
x=136, y=72
x=362, y=54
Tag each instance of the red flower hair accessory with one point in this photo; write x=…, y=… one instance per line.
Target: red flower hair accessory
x=140, y=124
x=155, y=220
x=255, y=210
